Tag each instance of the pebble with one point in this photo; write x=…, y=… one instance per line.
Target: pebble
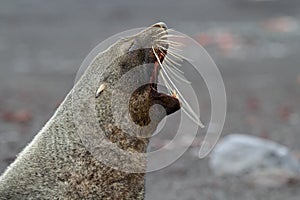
x=261, y=162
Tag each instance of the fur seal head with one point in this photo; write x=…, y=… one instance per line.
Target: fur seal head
x=128, y=103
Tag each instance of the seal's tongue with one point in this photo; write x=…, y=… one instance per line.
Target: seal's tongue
x=158, y=57
x=170, y=103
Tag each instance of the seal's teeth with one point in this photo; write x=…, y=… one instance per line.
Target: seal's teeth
x=100, y=90
x=174, y=94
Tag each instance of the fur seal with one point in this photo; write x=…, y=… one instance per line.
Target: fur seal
x=57, y=165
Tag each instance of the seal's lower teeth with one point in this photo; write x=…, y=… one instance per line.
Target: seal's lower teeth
x=174, y=94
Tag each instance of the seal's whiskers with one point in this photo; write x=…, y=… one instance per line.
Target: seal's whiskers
x=170, y=62
x=177, y=55
x=172, y=36
x=179, y=76
x=160, y=33
x=171, y=86
x=169, y=42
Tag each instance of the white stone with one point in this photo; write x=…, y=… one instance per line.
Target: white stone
x=239, y=154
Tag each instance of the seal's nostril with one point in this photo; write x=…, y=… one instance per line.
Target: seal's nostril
x=161, y=25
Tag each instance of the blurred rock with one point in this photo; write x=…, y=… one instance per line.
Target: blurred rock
x=226, y=42
x=20, y=116
x=285, y=112
x=282, y=24
x=204, y=39
x=253, y=104
x=239, y=154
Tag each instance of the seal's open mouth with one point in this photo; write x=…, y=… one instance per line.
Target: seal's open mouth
x=147, y=95
x=169, y=102
x=143, y=98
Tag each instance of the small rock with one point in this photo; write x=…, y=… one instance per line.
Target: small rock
x=282, y=24
x=239, y=154
x=285, y=112
x=21, y=116
x=226, y=42
x=204, y=39
x=253, y=104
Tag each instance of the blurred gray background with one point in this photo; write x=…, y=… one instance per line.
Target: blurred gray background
x=255, y=44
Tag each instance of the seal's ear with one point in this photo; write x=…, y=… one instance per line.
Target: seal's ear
x=100, y=90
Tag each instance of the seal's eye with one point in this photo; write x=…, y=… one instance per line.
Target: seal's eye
x=132, y=47
x=137, y=44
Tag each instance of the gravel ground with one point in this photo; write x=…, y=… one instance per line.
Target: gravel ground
x=255, y=45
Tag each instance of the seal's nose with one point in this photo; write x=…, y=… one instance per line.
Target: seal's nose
x=161, y=25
